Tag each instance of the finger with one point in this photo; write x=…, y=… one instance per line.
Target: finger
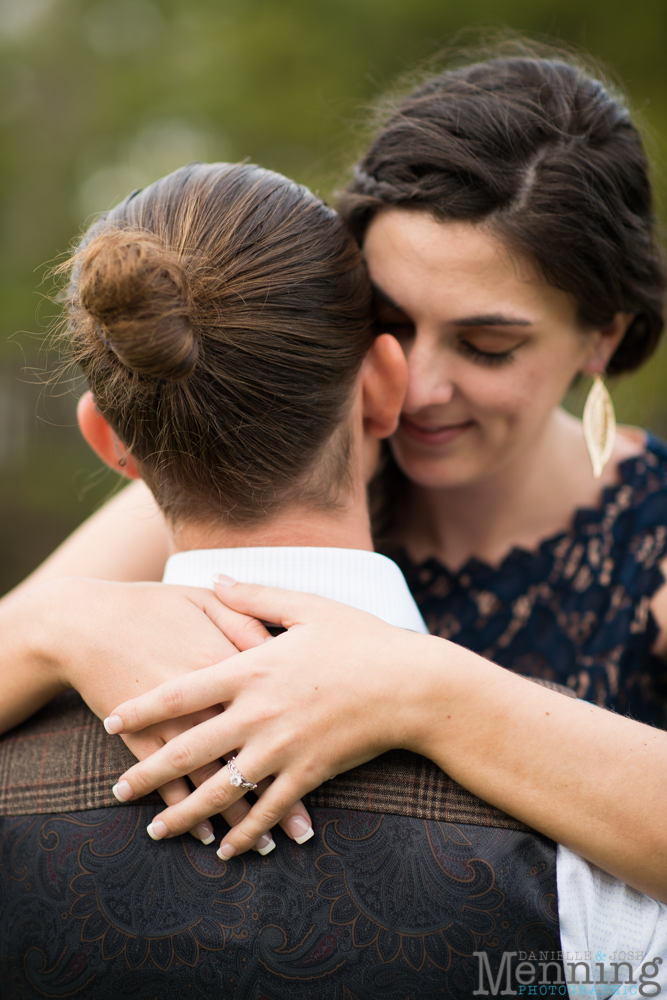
x=295, y=823
x=243, y=631
x=184, y=754
x=236, y=812
x=171, y=793
x=143, y=745
x=178, y=697
x=215, y=795
x=270, y=604
x=275, y=802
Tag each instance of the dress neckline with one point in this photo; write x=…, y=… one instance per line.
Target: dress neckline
x=632, y=472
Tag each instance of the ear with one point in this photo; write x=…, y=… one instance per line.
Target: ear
x=103, y=440
x=603, y=343
x=384, y=382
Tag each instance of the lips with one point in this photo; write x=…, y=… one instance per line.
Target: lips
x=433, y=435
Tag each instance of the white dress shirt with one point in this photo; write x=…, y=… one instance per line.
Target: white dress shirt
x=602, y=920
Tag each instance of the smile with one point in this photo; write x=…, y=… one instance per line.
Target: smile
x=434, y=436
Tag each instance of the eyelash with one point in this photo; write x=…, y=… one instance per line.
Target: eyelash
x=490, y=358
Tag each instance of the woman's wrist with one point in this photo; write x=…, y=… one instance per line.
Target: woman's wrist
x=426, y=688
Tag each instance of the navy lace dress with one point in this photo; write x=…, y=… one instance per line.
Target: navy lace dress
x=577, y=611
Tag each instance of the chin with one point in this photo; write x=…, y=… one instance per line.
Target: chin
x=439, y=473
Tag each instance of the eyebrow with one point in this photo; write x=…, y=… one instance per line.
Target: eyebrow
x=491, y=319
x=485, y=319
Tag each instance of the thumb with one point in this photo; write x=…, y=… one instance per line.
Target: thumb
x=270, y=604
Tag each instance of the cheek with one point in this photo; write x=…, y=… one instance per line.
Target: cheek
x=520, y=392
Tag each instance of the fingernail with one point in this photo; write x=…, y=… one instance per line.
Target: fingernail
x=204, y=832
x=157, y=829
x=269, y=636
x=223, y=580
x=299, y=829
x=265, y=844
x=122, y=790
x=113, y=724
x=225, y=852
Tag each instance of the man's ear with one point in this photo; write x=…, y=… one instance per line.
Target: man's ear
x=103, y=440
x=605, y=341
x=384, y=381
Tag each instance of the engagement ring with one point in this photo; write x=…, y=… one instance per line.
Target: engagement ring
x=236, y=777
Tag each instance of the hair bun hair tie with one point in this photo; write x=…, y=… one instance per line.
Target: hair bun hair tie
x=103, y=338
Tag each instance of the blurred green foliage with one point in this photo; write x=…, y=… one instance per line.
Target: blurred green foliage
x=98, y=97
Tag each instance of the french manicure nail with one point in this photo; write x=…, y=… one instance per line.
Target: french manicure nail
x=113, y=724
x=157, y=829
x=223, y=580
x=122, y=790
x=299, y=829
x=205, y=833
x=265, y=844
x=225, y=852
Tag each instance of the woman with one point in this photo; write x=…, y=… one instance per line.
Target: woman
x=511, y=158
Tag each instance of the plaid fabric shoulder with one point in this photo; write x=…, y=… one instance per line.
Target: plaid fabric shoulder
x=62, y=760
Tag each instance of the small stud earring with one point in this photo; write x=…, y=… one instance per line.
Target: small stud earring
x=599, y=425
x=122, y=461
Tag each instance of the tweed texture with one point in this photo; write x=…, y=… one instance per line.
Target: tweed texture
x=62, y=760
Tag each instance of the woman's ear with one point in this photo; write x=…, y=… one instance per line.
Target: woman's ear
x=605, y=341
x=384, y=381
x=103, y=440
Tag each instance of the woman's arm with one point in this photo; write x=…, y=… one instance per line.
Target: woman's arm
x=341, y=687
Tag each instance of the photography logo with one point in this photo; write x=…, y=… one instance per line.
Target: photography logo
x=556, y=973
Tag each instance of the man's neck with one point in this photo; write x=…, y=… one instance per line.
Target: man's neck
x=346, y=527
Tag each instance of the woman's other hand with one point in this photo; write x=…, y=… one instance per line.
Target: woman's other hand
x=108, y=640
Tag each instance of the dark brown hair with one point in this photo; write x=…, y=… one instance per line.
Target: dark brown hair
x=221, y=317
x=550, y=158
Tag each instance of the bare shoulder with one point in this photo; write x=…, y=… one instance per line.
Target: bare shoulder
x=630, y=442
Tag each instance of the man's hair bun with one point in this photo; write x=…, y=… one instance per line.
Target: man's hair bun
x=138, y=293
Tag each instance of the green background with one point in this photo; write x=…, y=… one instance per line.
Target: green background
x=98, y=98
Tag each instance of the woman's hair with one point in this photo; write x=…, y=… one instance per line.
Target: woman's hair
x=546, y=156
x=221, y=316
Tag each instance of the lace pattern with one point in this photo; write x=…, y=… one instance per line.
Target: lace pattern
x=577, y=610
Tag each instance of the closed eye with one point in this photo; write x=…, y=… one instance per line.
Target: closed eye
x=489, y=358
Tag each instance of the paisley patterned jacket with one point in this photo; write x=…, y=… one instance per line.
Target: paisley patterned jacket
x=410, y=888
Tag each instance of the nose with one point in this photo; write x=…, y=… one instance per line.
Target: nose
x=430, y=378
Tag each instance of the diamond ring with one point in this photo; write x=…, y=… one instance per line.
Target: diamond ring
x=236, y=778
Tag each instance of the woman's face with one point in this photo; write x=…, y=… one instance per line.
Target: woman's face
x=491, y=347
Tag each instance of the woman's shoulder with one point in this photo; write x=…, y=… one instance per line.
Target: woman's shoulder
x=641, y=476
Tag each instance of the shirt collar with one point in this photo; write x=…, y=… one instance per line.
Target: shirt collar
x=364, y=580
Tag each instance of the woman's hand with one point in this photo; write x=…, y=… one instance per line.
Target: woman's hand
x=108, y=640
x=287, y=713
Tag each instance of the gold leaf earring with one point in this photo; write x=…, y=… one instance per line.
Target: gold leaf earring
x=599, y=425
